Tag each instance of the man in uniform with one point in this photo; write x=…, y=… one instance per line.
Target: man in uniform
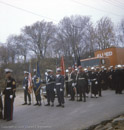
x=119, y=80
x=37, y=87
x=59, y=86
x=66, y=83
x=50, y=85
x=81, y=83
x=9, y=93
x=94, y=81
x=25, y=87
x=1, y=106
x=69, y=79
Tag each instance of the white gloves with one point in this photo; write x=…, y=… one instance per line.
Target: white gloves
x=23, y=87
x=11, y=96
x=54, y=90
x=61, y=90
x=96, y=82
x=73, y=84
x=46, y=73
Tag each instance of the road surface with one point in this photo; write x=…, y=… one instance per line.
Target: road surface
x=75, y=115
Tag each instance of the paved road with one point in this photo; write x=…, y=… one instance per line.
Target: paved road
x=75, y=115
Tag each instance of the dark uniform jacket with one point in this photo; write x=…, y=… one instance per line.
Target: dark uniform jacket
x=50, y=82
x=59, y=82
x=10, y=87
x=81, y=79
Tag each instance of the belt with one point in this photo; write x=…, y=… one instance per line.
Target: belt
x=70, y=80
x=80, y=78
x=8, y=88
x=58, y=83
x=50, y=83
x=93, y=79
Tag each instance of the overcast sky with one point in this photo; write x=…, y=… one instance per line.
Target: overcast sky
x=15, y=14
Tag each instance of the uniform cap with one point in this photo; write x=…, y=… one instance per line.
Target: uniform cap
x=8, y=70
x=92, y=68
x=58, y=69
x=26, y=72
x=76, y=69
x=34, y=70
x=119, y=66
x=48, y=70
x=67, y=71
x=103, y=67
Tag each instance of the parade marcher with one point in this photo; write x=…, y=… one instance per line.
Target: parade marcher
x=98, y=73
x=69, y=79
x=1, y=106
x=94, y=81
x=81, y=83
x=59, y=86
x=73, y=85
x=50, y=86
x=9, y=93
x=25, y=87
x=119, y=80
x=103, y=77
x=37, y=87
x=66, y=83
x=87, y=85
x=110, y=77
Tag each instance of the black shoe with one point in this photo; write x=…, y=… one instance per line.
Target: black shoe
x=70, y=100
x=36, y=104
x=80, y=100
x=9, y=119
x=40, y=104
x=59, y=105
x=62, y=106
x=47, y=104
x=29, y=103
x=24, y=104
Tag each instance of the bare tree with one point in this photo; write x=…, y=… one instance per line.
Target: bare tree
x=72, y=36
x=21, y=44
x=120, y=35
x=105, y=33
x=39, y=36
x=4, y=55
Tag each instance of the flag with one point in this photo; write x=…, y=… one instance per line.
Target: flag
x=37, y=79
x=30, y=80
x=78, y=61
x=62, y=66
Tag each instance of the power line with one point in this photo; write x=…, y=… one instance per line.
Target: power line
x=117, y=2
x=27, y=11
x=77, y=2
x=114, y=4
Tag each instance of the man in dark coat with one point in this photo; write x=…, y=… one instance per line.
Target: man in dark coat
x=81, y=83
x=50, y=86
x=59, y=85
x=25, y=87
x=9, y=93
x=37, y=88
x=119, y=80
x=94, y=81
